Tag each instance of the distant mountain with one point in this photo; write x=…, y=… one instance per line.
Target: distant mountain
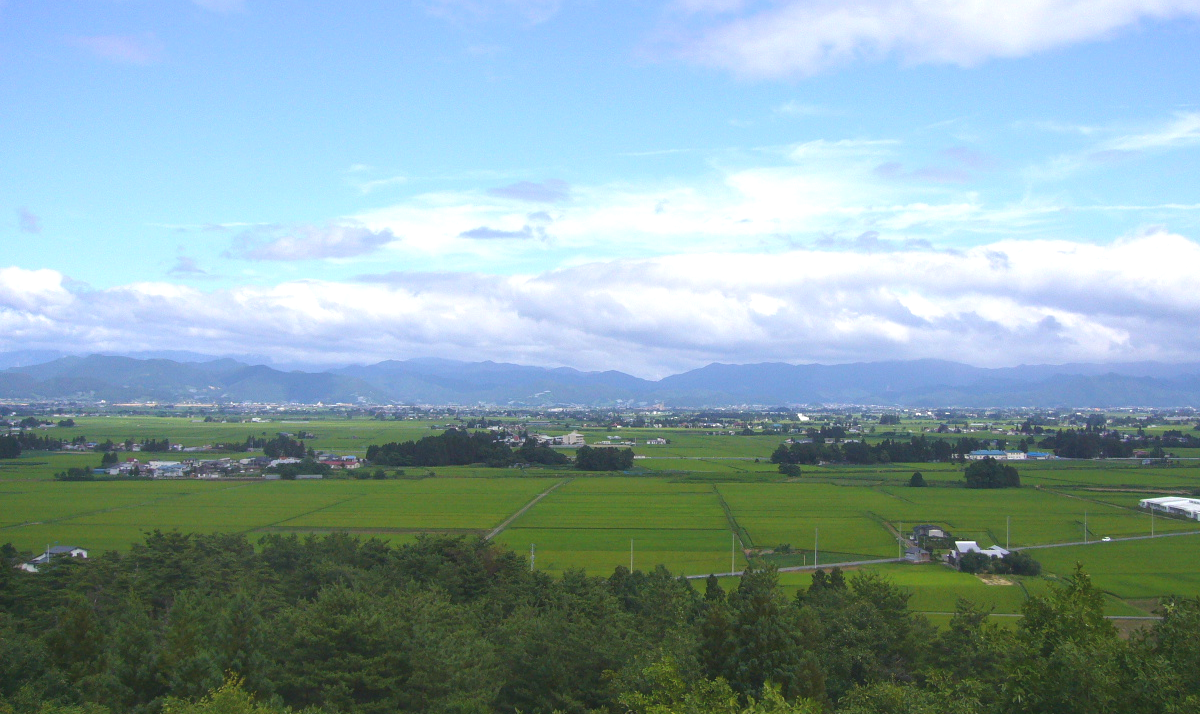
x=436, y=381
x=24, y=358
x=120, y=379
x=924, y=383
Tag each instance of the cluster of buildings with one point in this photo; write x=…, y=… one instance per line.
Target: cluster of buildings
x=572, y=439
x=58, y=551
x=981, y=454
x=217, y=468
x=926, y=538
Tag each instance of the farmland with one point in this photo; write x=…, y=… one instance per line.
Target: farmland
x=691, y=505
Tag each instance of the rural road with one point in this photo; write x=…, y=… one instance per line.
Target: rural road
x=1097, y=541
x=500, y=528
x=799, y=568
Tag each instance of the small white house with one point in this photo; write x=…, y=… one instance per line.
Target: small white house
x=69, y=551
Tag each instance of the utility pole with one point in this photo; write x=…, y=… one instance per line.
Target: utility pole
x=816, y=542
x=1085, y=528
x=532, y=556
x=631, y=555
x=900, y=541
x=1151, y=522
x=1007, y=531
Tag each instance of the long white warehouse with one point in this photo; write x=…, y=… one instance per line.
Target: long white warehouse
x=1174, y=505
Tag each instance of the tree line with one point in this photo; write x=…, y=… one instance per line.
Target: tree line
x=458, y=447
x=208, y=624
x=916, y=449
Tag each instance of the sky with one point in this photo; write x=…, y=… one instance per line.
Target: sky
x=640, y=185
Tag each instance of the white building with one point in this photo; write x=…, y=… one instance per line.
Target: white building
x=982, y=454
x=69, y=551
x=962, y=547
x=1173, y=505
x=573, y=439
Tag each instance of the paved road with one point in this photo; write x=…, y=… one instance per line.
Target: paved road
x=1017, y=614
x=500, y=528
x=800, y=568
x=1114, y=540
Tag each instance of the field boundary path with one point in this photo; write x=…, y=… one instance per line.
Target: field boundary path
x=508, y=521
x=741, y=533
x=800, y=568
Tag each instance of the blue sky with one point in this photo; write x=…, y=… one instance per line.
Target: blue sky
x=645, y=186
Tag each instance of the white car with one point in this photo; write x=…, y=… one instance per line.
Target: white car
x=1106, y=539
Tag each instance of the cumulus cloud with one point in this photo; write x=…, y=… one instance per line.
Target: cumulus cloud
x=773, y=38
x=32, y=291
x=795, y=195
x=1036, y=301
x=308, y=242
x=28, y=222
x=123, y=49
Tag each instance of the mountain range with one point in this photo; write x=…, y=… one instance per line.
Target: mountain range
x=914, y=383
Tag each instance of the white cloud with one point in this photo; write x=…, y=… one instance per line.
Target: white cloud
x=32, y=290
x=123, y=49
x=222, y=5
x=306, y=242
x=1008, y=302
x=794, y=108
x=804, y=37
x=1182, y=131
x=533, y=11
x=785, y=196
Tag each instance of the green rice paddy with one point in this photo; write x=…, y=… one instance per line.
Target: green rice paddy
x=683, y=506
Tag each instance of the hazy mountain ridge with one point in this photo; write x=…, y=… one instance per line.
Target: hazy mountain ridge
x=439, y=381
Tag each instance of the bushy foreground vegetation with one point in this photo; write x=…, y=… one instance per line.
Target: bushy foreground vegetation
x=205, y=624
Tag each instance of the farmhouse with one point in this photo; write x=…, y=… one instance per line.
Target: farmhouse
x=69, y=551
x=1174, y=506
x=914, y=554
x=928, y=531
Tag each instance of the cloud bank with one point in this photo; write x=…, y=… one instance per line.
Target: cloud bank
x=1033, y=301
x=774, y=38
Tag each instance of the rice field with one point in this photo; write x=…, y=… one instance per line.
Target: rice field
x=593, y=523
x=692, y=505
